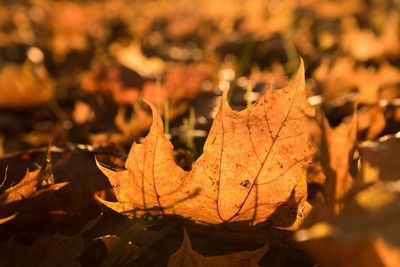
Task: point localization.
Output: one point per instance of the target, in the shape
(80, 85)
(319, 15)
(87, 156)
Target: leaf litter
(74, 73)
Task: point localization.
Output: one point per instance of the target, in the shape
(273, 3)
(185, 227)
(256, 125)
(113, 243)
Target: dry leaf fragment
(365, 234)
(138, 123)
(371, 121)
(28, 187)
(133, 58)
(25, 86)
(55, 250)
(82, 113)
(340, 77)
(252, 167)
(110, 241)
(1, 146)
(7, 219)
(337, 147)
(363, 44)
(328, 9)
(380, 159)
(336, 78)
(24, 189)
(187, 257)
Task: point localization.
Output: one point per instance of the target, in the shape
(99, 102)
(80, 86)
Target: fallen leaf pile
(267, 131)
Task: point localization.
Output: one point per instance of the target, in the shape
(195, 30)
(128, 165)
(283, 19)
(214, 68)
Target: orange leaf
(380, 159)
(337, 147)
(25, 86)
(252, 167)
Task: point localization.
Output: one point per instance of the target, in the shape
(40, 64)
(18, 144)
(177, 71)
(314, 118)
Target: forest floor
(73, 77)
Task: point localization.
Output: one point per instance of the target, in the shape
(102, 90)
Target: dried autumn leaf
(1, 146)
(7, 219)
(333, 9)
(337, 148)
(252, 167)
(365, 234)
(26, 188)
(363, 44)
(133, 58)
(82, 113)
(371, 121)
(181, 82)
(29, 186)
(55, 250)
(110, 241)
(277, 75)
(25, 86)
(22, 190)
(137, 124)
(187, 257)
(337, 78)
(371, 83)
(380, 159)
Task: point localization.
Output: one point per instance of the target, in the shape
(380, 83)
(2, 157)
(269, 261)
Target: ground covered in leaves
(200, 133)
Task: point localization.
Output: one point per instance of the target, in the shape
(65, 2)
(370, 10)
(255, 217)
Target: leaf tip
(157, 123)
(186, 240)
(116, 206)
(300, 76)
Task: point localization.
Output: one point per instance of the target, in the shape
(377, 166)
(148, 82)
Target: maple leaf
(252, 166)
(185, 256)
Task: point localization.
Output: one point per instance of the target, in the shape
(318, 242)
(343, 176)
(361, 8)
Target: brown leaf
(371, 82)
(329, 9)
(187, 257)
(277, 75)
(365, 234)
(371, 120)
(138, 124)
(380, 159)
(362, 44)
(123, 84)
(335, 77)
(82, 113)
(252, 167)
(25, 86)
(110, 241)
(55, 250)
(140, 121)
(29, 186)
(7, 219)
(337, 149)
(65, 210)
(24, 189)
(133, 58)
(338, 78)
(1, 146)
